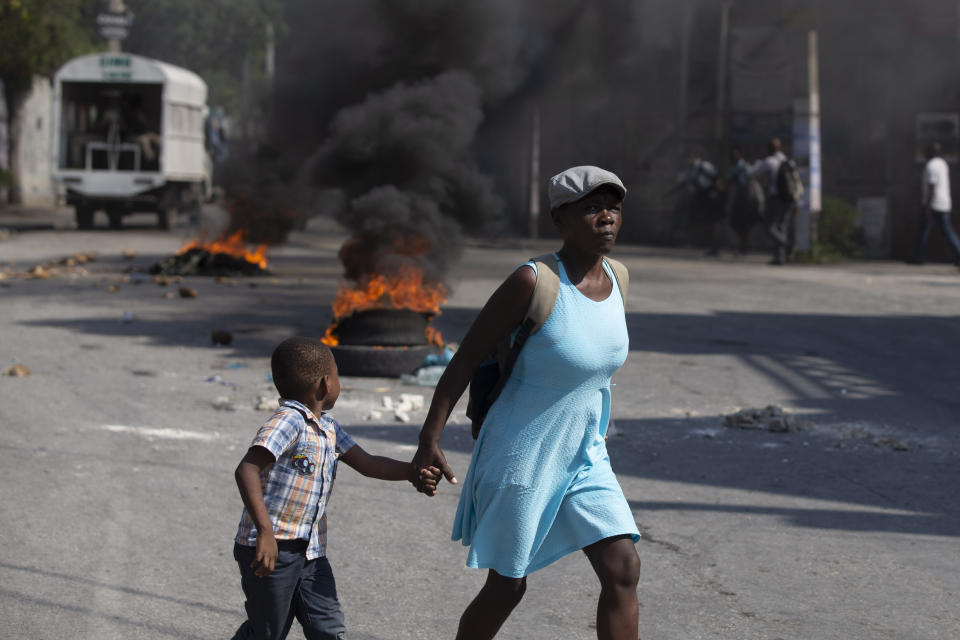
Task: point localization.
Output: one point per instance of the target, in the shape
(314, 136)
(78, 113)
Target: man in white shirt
(935, 199)
(776, 220)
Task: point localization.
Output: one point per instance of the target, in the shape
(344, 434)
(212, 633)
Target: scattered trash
(401, 416)
(424, 376)
(435, 359)
(410, 401)
(17, 371)
(771, 418)
(127, 317)
(892, 443)
(223, 403)
(373, 415)
(269, 378)
(112, 288)
(230, 282)
(161, 280)
(267, 403)
(387, 402)
(220, 381)
(169, 295)
(220, 336)
(187, 292)
(138, 278)
(129, 254)
(237, 365)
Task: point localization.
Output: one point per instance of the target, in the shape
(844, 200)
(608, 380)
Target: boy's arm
(383, 468)
(248, 481)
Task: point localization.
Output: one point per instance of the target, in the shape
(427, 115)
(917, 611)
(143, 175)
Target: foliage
(38, 36)
(211, 38)
(838, 236)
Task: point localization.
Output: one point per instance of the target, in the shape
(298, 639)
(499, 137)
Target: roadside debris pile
(860, 432)
(71, 265)
(408, 403)
(771, 418)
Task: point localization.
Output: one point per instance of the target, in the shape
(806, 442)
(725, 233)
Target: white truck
(129, 137)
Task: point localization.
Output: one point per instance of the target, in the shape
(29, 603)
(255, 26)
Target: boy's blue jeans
(298, 587)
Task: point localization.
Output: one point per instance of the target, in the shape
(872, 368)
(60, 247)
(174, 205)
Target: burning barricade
(381, 325)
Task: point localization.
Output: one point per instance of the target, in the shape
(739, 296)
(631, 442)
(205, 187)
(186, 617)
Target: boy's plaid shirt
(297, 486)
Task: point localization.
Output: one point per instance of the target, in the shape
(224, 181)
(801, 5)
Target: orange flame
(234, 245)
(404, 290)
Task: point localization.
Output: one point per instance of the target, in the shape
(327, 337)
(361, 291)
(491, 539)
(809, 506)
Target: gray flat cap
(577, 182)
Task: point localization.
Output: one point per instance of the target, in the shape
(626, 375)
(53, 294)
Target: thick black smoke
(385, 99)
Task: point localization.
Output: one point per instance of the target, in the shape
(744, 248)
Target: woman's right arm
(502, 313)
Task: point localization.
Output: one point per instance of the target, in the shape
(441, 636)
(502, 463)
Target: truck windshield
(110, 126)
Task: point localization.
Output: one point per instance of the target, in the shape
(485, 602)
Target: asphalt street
(118, 505)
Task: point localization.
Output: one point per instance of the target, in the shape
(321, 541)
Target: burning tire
(379, 362)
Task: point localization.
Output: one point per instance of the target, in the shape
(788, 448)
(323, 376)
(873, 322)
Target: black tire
(84, 216)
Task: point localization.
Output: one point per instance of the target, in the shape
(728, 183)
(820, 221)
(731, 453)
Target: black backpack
(789, 183)
(491, 376)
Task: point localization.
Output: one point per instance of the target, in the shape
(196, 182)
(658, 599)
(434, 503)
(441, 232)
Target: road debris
(221, 337)
(267, 403)
(771, 418)
(17, 371)
(224, 403)
(187, 292)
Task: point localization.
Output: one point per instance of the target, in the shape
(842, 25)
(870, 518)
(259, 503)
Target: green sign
(115, 68)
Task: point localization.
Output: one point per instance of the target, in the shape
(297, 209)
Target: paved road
(118, 503)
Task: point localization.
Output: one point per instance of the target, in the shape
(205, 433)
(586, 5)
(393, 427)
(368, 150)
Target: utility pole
(684, 70)
(116, 7)
(534, 220)
(720, 128)
(806, 149)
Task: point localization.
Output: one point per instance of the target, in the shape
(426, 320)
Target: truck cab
(129, 137)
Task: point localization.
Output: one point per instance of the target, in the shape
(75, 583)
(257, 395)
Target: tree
(214, 38)
(38, 36)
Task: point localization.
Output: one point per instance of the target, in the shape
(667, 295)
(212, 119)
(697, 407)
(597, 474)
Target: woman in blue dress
(540, 483)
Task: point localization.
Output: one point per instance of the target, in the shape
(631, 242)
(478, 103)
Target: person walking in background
(936, 204)
(744, 199)
(776, 209)
(540, 484)
(699, 202)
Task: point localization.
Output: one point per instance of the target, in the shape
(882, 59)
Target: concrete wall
(33, 123)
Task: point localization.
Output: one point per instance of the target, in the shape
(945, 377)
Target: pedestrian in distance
(745, 200)
(935, 204)
(699, 201)
(540, 484)
(779, 205)
(285, 480)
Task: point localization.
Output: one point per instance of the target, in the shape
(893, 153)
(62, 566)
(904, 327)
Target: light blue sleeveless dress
(540, 483)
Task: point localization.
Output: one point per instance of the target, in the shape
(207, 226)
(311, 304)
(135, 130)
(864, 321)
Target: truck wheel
(116, 218)
(165, 217)
(84, 216)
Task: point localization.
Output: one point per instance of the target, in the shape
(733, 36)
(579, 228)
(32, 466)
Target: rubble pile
(69, 266)
(771, 418)
(202, 262)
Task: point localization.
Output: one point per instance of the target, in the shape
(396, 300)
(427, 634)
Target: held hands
(430, 464)
(266, 556)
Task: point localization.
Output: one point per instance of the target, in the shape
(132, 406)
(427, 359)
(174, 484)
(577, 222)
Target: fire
(406, 289)
(234, 245)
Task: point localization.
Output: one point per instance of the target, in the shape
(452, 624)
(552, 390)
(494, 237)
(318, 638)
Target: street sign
(114, 26)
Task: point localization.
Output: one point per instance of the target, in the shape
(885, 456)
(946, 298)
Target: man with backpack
(781, 178)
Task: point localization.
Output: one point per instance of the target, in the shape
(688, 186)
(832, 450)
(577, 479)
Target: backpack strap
(542, 302)
(544, 297)
(621, 275)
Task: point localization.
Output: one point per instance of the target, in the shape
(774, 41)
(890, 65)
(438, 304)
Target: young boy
(285, 480)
